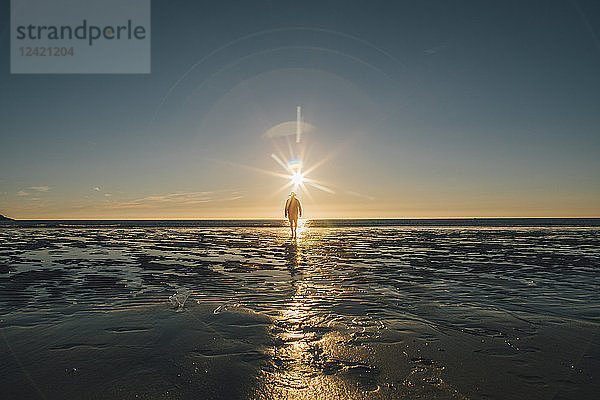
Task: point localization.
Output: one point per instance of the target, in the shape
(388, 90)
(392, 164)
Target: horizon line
(309, 219)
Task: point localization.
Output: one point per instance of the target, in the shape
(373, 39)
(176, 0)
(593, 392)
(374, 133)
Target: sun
(297, 178)
(293, 164)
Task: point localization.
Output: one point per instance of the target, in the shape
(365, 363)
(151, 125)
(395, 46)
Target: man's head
(292, 194)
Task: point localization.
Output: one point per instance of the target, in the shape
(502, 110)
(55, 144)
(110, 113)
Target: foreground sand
(434, 313)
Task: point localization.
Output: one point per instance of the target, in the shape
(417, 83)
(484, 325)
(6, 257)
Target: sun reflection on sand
(304, 342)
(302, 228)
(293, 373)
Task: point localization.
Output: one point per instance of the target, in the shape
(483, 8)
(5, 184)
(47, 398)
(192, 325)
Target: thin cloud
(40, 188)
(174, 200)
(586, 23)
(434, 50)
(171, 199)
(23, 193)
(362, 196)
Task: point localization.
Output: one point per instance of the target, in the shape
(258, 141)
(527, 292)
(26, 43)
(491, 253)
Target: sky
(416, 110)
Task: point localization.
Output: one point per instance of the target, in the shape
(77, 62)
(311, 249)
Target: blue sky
(420, 109)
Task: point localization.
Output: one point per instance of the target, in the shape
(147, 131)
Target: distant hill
(3, 218)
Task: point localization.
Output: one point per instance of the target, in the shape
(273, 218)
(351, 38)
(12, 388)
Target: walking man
(293, 210)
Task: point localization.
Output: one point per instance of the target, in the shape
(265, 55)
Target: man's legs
(293, 225)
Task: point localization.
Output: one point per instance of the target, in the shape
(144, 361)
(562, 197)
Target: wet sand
(345, 312)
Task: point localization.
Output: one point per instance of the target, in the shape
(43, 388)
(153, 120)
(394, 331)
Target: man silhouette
(293, 209)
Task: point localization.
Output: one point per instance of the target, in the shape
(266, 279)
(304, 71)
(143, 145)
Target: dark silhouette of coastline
(3, 218)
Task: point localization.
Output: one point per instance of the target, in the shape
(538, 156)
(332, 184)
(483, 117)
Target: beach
(347, 311)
